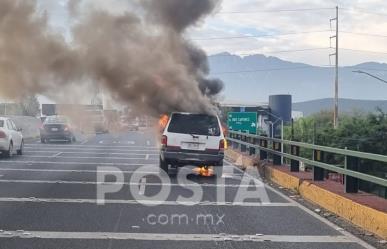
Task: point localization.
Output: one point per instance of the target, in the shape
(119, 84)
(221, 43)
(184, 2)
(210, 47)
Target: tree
(30, 106)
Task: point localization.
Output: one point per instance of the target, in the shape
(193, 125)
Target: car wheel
(43, 140)
(73, 139)
(8, 153)
(20, 151)
(163, 166)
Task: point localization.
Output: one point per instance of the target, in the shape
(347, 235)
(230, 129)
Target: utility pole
(336, 109)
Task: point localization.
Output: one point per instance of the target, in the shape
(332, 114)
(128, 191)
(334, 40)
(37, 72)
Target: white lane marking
(87, 146)
(310, 212)
(145, 202)
(91, 152)
(81, 163)
(132, 142)
(101, 142)
(190, 185)
(147, 157)
(91, 157)
(142, 186)
(84, 142)
(174, 237)
(148, 143)
(86, 149)
(155, 172)
(56, 155)
(80, 171)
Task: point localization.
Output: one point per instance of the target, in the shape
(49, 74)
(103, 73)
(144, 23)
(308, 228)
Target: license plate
(54, 129)
(193, 146)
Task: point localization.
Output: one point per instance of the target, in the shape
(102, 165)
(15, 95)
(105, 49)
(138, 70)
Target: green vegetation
(359, 131)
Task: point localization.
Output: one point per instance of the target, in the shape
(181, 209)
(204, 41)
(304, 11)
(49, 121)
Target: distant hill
(255, 77)
(346, 106)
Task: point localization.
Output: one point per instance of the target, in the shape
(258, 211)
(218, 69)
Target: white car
(192, 139)
(11, 139)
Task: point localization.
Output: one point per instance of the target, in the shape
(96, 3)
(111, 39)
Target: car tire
(8, 153)
(20, 150)
(163, 166)
(73, 139)
(43, 140)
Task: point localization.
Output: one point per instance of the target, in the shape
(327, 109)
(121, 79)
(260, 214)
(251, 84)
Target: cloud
(351, 19)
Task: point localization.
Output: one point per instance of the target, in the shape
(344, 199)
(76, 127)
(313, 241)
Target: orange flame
(163, 121)
(204, 171)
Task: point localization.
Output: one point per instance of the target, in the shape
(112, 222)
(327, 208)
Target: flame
(204, 171)
(163, 121)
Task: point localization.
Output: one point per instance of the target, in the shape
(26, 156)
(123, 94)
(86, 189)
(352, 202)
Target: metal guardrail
(351, 163)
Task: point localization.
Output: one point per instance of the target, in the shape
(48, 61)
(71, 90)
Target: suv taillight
(2, 134)
(222, 144)
(164, 140)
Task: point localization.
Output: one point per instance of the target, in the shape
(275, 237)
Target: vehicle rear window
(1, 123)
(197, 124)
(56, 120)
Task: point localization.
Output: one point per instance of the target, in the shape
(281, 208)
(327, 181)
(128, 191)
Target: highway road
(104, 192)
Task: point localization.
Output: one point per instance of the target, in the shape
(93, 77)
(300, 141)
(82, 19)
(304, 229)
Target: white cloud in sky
(353, 19)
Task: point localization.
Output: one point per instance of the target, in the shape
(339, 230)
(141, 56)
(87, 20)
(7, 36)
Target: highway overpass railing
(346, 162)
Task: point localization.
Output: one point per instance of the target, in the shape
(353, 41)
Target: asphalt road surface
(106, 192)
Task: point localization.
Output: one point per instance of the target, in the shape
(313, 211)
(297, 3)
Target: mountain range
(253, 78)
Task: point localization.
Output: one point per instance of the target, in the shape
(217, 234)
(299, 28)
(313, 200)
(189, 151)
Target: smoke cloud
(140, 56)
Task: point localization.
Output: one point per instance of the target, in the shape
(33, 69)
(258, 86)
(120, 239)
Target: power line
(364, 51)
(365, 11)
(259, 36)
(364, 34)
(273, 11)
(268, 70)
(271, 52)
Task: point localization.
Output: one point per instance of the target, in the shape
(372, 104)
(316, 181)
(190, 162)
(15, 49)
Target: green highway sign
(242, 121)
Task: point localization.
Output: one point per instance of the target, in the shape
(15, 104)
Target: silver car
(11, 138)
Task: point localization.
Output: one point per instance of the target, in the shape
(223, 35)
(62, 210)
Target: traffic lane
(59, 190)
(85, 217)
(117, 244)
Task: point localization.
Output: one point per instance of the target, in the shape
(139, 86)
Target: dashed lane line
(79, 163)
(91, 152)
(142, 186)
(30, 149)
(90, 157)
(145, 202)
(174, 237)
(188, 185)
(56, 155)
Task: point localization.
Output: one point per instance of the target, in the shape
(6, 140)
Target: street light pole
(282, 131)
(371, 75)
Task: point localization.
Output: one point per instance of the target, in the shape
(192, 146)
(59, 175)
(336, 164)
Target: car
(56, 128)
(192, 139)
(11, 138)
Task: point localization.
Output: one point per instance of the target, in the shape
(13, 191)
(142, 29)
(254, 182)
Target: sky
(282, 26)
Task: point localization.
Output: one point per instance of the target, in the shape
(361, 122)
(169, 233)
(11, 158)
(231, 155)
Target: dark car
(56, 128)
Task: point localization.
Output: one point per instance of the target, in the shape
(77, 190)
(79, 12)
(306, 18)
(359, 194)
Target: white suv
(192, 139)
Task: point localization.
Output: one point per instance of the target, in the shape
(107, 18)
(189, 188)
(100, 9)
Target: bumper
(181, 158)
(4, 145)
(57, 135)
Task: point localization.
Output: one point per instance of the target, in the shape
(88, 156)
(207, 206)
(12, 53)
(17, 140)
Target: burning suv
(192, 139)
